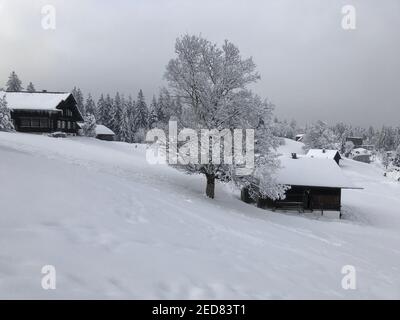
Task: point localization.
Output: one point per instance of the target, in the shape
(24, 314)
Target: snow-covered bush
(89, 126)
(348, 147)
(6, 123)
(396, 160)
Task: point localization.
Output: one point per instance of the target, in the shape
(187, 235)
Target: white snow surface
(116, 227)
(34, 101)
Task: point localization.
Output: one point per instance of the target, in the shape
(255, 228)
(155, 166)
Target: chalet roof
(34, 100)
(321, 153)
(313, 172)
(101, 129)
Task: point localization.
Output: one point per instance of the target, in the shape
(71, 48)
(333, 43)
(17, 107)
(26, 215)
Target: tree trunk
(210, 185)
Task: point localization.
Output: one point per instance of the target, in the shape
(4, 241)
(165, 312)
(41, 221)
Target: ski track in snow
(117, 227)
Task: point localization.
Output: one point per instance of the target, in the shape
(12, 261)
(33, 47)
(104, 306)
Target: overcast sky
(311, 68)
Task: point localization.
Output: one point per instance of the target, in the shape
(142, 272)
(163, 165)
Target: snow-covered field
(116, 227)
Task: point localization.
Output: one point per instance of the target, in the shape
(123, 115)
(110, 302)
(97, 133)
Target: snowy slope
(116, 227)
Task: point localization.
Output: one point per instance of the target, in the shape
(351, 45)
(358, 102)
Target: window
(25, 122)
(58, 124)
(44, 123)
(63, 124)
(69, 125)
(35, 123)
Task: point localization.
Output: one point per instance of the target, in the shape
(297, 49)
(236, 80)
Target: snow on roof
(313, 172)
(34, 100)
(101, 129)
(321, 153)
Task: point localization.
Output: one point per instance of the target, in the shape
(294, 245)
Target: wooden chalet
(315, 185)
(43, 112)
(357, 141)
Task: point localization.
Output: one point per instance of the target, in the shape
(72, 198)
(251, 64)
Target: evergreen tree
(141, 113)
(109, 105)
(130, 109)
(116, 115)
(30, 87)
(153, 119)
(125, 132)
(77, 93)
(102, 111)
(13, 83)
(90, 106)
(6, 123)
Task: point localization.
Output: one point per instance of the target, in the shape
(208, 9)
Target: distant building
(299, 137)
(324, 154)
(357, 141)
(315, 185)
(104, 133)
(361, 155)
(40, 112)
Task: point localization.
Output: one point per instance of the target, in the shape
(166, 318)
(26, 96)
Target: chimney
(294, 155)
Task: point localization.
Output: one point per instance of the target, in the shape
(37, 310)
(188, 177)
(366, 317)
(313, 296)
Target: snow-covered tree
(164, 103)
(89, 126)
(348, 147)
(141, 113)
(385, 159)
(116, 115)
(125, 134)
(396, 160)
(13, 83)
(130, 108)
(6, 123)
(90, 106)
(211, 83)
(30, 87)
(77, 93)
(153, 119)
(102, 111)
(319, 136)
(386, 139)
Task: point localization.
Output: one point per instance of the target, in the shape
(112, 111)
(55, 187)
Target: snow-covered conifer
(30, 87)
(90, 106)
(6, 123)
(77, 93)
(14, 83)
